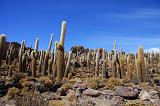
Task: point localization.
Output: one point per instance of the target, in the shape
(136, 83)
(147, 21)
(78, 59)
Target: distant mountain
(155, 50)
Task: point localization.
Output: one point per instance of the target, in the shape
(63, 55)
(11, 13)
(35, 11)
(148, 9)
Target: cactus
(34, 63)
(20, 57)
(40, 62)
(97, 63)
(45, 65)
(2, 44)
(81, 62)
(24, 63)
(36, 45)
(88, 60)
(140, 65)
(50, 43)
(60, 57)
(68, 64)
(114, 47)
(54, 66)
(104, 73)
(114, 70)
(10, 71)
(129, 70)
(122, 69)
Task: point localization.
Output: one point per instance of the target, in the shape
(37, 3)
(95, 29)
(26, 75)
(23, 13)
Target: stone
(126, 92)
(81, 86)
(149, 95)
(144, 95)
(156, 102)
(91, 92)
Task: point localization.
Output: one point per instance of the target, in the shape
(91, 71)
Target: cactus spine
(60, 57)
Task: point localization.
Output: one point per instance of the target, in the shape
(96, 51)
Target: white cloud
(155, 50)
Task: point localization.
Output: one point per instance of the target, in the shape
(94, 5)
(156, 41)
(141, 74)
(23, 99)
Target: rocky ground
(82, 89)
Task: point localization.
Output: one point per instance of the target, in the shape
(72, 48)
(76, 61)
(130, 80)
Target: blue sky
(92, 23)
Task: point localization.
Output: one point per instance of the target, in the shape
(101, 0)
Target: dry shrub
(56, 103)
(112, 82)
(12, 92)
(66, 86)
(46, 80)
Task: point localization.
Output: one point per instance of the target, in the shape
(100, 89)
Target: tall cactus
(60, 57)
(34, 63)
(50, 43)
(141, 72)
(40, 61)
(46, 59)
(68, 64)
(88, 60)
(2, 44)
(122, 66)
(114, 69)
(104, 72)
(97, 63)
(54, 66)
(20, 57)
(36, 45)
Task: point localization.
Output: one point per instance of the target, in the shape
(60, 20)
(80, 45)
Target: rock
(51, 96)
(151, 95)
(3, 89)
(91, 92)
(61, 92)
(40, 87)
(106, 92)
(15, 83)
(156, 102)
(126, 92)
(54, 87)
(81, 86)
(144, 95)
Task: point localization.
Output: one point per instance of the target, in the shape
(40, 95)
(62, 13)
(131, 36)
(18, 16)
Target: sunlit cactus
(2, 44)
(24, 62)
(122, 67)
(68, 64)
(45, 65)
(21, 51)
(140, 65)
(88, 60)
(54, 66)
(104, 73)
(60, 57)
(40, 61)
(50, 43)
(36, 45)
(97, 63)
(129, 71)
(34, 63)
(114, 69)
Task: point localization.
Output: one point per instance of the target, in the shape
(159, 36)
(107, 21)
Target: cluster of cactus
(59, 64)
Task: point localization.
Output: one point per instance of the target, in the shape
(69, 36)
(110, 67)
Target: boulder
(81, 86)
(126, 92)
(91, 92)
